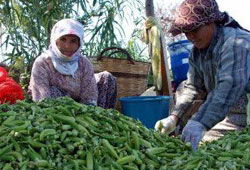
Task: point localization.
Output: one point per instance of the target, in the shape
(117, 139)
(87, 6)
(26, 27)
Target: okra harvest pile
(231, 152)
(63, 134)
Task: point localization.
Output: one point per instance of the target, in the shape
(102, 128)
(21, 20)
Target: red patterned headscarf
(195, 13)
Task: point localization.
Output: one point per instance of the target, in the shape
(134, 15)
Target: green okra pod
(110, 148)
(126, 159)
(89, 161)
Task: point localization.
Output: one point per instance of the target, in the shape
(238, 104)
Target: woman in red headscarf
(219, 66)
(10, 91)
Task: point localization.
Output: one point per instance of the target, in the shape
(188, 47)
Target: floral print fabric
(86, 88)
(44, 77)
(107, 89)
(193, 14)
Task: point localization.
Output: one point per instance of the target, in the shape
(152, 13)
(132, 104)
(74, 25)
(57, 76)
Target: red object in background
(10, 91)
(3, 74)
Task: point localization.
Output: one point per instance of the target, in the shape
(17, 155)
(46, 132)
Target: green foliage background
(27, 25)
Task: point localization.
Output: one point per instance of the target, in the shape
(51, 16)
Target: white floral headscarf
(63, 64)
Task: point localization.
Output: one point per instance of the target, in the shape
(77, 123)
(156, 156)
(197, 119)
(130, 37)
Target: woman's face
(68, 44)
(202, 36)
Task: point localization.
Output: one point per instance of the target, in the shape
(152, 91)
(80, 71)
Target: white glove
(167, 125)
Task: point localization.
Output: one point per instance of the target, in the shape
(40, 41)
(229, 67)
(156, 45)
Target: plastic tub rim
(144, 98)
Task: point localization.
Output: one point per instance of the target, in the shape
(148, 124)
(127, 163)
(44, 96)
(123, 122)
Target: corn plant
(105, 30)
(27, 25)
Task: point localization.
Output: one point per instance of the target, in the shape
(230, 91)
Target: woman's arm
(190, 91)
(39, 80)
(89, 92)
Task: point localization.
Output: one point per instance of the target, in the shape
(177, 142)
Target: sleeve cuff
(93, 103)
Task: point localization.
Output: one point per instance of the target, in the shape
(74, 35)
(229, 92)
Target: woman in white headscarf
(63, 71)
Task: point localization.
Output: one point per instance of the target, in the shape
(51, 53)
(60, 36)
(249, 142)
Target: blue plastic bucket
(148, 109)
(179, 54)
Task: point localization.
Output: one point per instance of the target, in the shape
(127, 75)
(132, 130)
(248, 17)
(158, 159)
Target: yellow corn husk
(152, 34)
(145, 37)
(156, 54)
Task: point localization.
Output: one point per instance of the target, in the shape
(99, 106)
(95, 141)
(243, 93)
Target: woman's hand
(193, 133)
(167, 125)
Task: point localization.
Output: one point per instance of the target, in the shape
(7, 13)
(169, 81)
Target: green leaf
(94, 2)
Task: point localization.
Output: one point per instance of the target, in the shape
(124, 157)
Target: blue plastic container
(179, 54)
(148, 109)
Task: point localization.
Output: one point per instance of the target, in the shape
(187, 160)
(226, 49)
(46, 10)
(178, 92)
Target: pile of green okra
(63, 134)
